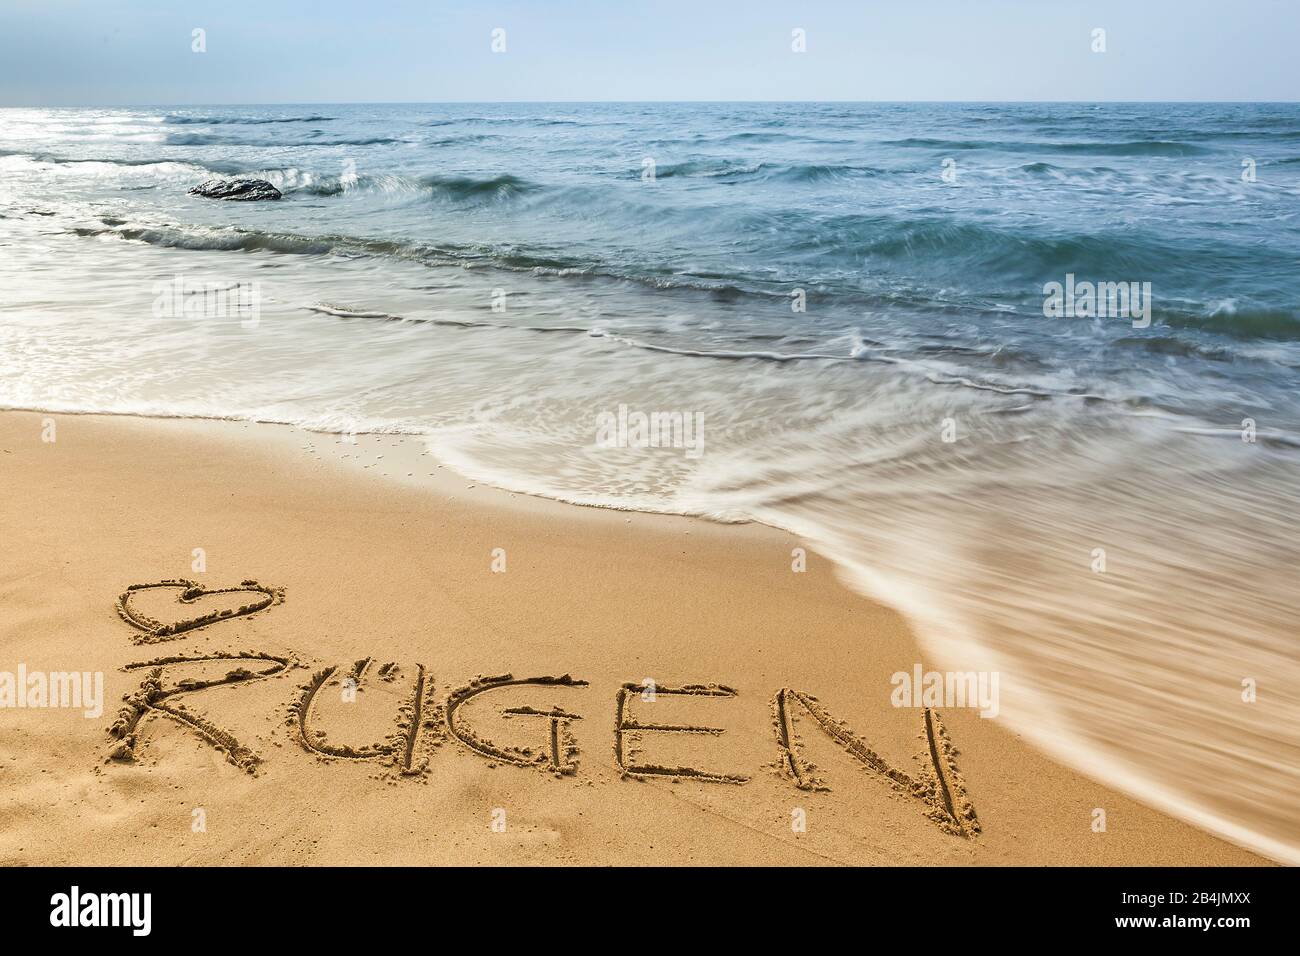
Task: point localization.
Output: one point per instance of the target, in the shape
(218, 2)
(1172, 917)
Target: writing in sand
(425, 720)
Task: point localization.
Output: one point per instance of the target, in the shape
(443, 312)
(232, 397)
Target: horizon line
(580, 102)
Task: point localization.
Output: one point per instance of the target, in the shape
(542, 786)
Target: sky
(140, 52)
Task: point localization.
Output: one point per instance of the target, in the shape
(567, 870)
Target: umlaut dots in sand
(400, 750)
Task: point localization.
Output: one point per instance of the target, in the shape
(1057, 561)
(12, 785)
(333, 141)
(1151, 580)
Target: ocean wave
(704, 168)
(210, 139)
(508, 120)
(455, 189)
(460, 188)
(1134, 148)
(291, 180)
(942, 374)
(794, 173)
(352, 312)
(1281, 324)
(1012, 251)
(462, 140)
(172, 120)
(59, 160)
(770, 137)
(1176, 346)
(1093, 255)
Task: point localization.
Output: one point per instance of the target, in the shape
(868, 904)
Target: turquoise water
(493, 278)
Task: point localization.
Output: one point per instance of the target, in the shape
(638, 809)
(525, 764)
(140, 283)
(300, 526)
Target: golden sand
(314, 654)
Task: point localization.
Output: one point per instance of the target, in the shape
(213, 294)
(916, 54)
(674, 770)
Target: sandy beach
(351, 704)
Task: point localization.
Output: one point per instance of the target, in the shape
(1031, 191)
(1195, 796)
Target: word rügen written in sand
(421, 724)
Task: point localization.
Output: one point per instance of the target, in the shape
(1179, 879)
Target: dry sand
(372, 572)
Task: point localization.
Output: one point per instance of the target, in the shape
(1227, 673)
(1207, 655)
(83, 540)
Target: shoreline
(401, 570)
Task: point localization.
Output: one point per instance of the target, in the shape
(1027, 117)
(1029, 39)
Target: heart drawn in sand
(155, 630)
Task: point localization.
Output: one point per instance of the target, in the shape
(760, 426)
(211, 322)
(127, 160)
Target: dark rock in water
(247, 190)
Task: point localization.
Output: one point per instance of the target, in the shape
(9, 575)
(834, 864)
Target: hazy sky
(58, 52)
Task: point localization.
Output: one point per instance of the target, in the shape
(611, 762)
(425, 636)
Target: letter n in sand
(939, 787)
